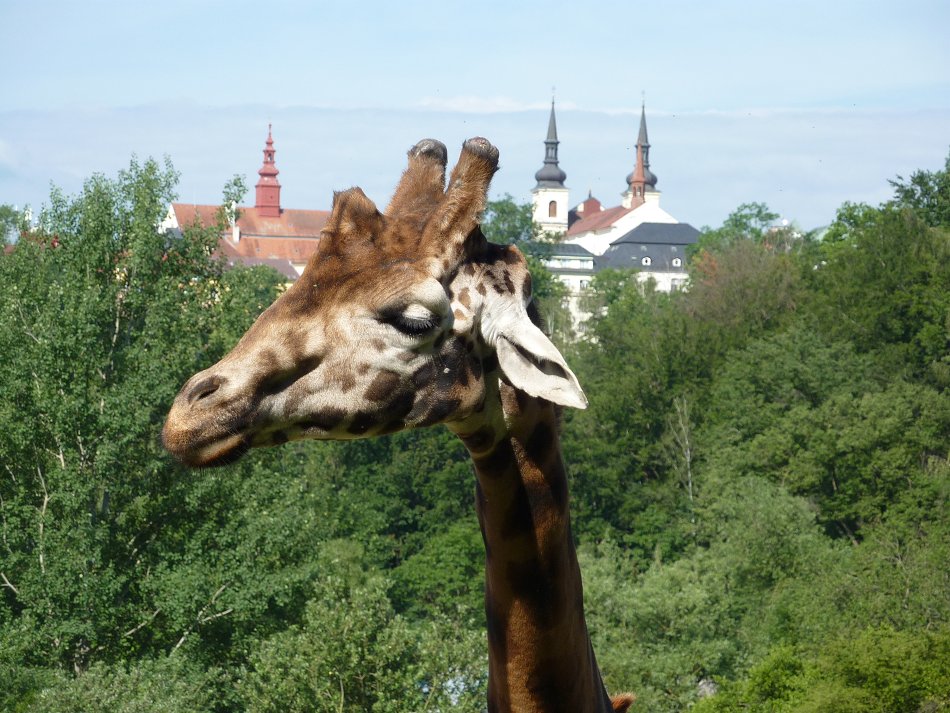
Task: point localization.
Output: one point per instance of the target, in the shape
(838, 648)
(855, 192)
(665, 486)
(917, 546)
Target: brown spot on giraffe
(382, 387)
(406, 319)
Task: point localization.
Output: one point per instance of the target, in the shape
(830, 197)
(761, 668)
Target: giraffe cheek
(384, 384)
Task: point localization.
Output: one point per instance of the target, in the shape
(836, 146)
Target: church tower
(549, 197)
(267, 200)
(641, 184)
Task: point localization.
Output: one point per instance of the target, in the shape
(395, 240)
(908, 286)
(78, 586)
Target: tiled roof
(185, 213)
(291, 223)
(293, 236)
(598, 221)
(296, 249)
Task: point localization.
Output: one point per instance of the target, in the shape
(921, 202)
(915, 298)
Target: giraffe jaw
(191, 445)
(223, 452)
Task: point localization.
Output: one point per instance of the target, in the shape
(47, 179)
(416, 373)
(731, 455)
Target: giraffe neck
(540, 658)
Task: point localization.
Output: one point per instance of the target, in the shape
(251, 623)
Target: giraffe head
(401, 320)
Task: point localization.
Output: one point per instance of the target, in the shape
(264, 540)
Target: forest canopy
(759, 486)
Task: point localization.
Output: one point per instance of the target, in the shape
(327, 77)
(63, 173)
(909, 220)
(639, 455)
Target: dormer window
(677, 262)
(646, 262)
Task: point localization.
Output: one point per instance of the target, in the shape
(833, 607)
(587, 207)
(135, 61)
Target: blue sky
(801, 105)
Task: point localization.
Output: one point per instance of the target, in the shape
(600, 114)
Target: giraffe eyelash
(411, 326)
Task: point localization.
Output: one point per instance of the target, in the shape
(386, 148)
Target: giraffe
(408, 319)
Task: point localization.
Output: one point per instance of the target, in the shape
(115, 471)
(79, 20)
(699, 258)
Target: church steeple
(267, 200)
(549, 196)
(642, 180)
(550, 175)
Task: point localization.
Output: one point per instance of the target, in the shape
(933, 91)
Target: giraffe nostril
(203, 389)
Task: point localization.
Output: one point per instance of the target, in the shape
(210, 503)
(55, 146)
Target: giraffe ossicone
(400, 320)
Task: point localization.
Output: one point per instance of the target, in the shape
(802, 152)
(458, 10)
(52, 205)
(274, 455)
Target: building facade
(637, 234)
(262, 234)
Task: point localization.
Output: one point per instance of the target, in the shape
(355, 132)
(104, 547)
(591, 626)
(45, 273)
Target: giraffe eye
(411, 323)
(414, 326)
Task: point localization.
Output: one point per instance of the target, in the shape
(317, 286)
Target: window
(646, 262)
(677, 262)
(552, 209)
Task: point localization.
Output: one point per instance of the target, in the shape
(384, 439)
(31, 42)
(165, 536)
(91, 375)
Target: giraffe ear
(532, 363)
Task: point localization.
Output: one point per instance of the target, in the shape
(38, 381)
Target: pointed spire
(642, 138)
(550, 175)
(642, 179)
(552, 126)
(267, 199)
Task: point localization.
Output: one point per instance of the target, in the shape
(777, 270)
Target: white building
(637, 234)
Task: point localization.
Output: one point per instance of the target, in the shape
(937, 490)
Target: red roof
(291, 223)
(294, 235)
(597, 221)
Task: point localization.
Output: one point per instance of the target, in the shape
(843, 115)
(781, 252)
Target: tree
(927, 193)
(102, 316)
(748, 222)
(506, 221)
(352, 652)
(12, 223)
(882, 284)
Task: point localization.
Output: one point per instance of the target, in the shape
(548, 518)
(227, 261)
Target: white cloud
(471, 104)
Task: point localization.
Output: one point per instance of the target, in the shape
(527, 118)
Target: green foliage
(740, 291)
(927, 193)
(352, 652)
(233, 194)
(750, 222)
(103, 317)
(760, 485)
(506, 221)
(617, 460)
(12, 223)
(444, 576)
(889, 252)
(812, 416)
(879, 670)
(166, 685)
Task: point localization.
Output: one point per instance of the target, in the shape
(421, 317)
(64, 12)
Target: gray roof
(662, 258)
(569, 250)
(660, 234)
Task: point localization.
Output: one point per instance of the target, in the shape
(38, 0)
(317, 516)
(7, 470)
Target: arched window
(646, 262)
(552, 209)
(677, 262)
